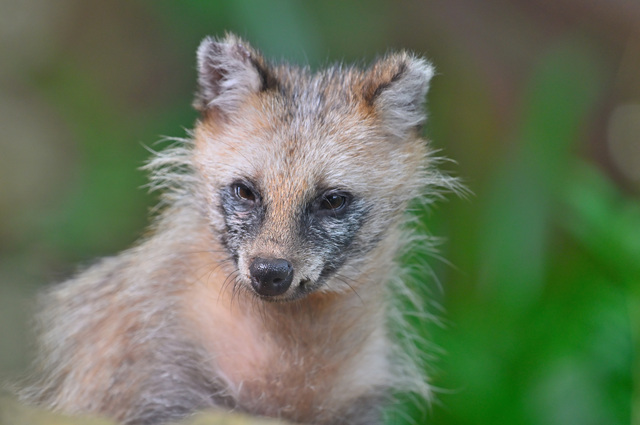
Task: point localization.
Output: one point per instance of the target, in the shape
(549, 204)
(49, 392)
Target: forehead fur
(317, 129)
(342, 127)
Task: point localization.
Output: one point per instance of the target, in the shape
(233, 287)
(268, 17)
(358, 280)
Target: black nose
(270, 277)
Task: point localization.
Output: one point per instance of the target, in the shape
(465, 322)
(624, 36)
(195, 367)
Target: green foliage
(546, 337)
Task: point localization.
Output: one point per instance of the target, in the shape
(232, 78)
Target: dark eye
(241, 191)
(333, 202)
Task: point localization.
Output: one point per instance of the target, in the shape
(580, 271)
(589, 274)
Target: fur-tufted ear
(396, 87)
(228, 71)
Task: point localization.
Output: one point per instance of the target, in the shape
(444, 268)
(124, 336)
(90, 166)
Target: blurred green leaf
(516, 226)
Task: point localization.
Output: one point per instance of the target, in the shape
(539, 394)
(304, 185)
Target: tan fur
(173, 324)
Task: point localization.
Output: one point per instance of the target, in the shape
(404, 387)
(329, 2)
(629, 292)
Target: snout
(271, 276)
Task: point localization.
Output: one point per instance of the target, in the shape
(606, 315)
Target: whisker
(345, 280)
(230, 279)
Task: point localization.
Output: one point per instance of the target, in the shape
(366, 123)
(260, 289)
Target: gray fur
(168, 371)
(122, 339)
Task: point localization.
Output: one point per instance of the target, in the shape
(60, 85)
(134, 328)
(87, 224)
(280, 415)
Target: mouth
(304, 288)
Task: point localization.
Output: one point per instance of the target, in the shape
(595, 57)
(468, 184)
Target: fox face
(302, 175)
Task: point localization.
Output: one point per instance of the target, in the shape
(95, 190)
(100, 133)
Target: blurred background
(538, 102)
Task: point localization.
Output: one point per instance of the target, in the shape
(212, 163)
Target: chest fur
(298, 362)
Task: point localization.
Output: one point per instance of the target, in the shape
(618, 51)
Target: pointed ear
(229, 70)
(396, 87)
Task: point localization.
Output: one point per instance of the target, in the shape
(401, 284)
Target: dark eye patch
(243, 213)
(330, 228)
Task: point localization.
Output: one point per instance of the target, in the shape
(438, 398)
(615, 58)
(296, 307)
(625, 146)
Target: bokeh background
(538, 102)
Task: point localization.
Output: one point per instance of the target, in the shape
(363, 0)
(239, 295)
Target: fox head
(302, 175)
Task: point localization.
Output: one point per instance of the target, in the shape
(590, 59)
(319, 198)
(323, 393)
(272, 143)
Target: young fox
(265, 284)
